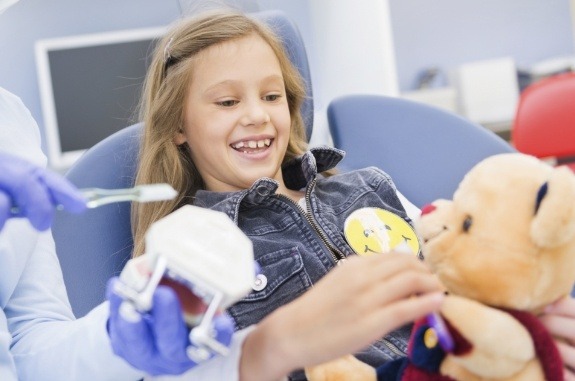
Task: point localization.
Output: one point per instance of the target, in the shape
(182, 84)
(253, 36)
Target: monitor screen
(90, 87)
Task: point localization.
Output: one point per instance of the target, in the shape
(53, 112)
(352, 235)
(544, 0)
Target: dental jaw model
(205, 258)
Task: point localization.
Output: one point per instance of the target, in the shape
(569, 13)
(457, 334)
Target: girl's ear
(180, 137)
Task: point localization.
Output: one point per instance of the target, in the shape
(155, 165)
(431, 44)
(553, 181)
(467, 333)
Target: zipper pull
(341, 261)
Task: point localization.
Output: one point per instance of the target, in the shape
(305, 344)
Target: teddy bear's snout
(426, 209)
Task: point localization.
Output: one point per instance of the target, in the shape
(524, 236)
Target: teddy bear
(504, 248)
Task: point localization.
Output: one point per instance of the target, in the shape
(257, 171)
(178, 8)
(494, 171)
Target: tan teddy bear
(504, 248)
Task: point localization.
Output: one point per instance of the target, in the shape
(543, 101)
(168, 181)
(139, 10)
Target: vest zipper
(392, 347)
(338, 255)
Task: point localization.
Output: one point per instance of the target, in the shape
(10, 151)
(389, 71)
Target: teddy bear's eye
(467, 223)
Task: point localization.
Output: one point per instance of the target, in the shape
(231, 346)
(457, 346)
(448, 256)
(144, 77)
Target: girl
(223, 127)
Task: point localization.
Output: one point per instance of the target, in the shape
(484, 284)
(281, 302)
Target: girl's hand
(559, 318)
(351, 307)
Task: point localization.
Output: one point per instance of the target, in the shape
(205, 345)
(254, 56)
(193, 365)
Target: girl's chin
(249, 178)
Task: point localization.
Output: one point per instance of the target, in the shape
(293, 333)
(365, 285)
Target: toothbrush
(444, 338)
(142, 193)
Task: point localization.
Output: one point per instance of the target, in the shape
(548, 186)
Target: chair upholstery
(293, 43)
(94, 246)
(424, 149)
(544, 124)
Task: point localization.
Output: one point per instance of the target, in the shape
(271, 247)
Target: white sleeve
(19, 133)
(219, 368)
(39, 336)
(413, 211)
(48, 343)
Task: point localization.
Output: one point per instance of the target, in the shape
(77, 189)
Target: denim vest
(295, 249)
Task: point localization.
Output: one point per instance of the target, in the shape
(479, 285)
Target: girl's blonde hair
(164, 97)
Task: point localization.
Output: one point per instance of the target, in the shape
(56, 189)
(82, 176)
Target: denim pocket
(285, 279)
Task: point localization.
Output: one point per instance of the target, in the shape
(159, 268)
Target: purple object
(443, 335)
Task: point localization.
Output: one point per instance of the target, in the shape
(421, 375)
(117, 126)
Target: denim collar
(297, 174)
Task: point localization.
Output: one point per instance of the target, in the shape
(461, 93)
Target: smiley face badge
(375, 230)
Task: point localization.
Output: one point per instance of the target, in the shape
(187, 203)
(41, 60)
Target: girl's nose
(428, 209)
(255, 114)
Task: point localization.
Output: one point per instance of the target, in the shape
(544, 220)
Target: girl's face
(237, 120)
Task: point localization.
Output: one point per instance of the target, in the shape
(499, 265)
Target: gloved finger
(224, 326)
(168, 325)
(5, 206)
(34, 202)
(64, 193)
(129, 339)
(115, 301)
(113, 298)
(136, 340)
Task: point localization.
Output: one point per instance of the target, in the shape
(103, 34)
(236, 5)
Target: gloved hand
(156, 342)
(34, 192)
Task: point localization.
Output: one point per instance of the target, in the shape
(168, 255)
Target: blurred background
(470, 57)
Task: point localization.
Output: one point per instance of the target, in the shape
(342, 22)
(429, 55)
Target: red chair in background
(544, 124)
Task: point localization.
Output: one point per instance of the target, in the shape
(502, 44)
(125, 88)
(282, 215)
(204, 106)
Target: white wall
(353, 51)
(448, 33)
(354, 47)
(572, 8)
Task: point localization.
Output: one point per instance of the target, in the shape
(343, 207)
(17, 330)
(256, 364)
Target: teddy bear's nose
(428, 209)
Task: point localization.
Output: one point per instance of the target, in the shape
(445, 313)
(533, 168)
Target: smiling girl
(221, 111)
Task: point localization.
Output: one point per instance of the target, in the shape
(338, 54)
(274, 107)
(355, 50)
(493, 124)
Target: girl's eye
(227, 103)
(272, 97)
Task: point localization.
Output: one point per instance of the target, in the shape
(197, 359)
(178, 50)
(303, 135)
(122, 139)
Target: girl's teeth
(253, 144)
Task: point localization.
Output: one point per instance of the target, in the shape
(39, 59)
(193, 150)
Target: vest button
(260, 282)
(263, 191)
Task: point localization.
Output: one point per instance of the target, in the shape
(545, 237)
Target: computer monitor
(90, 86)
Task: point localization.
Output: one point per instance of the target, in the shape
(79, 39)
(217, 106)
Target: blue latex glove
(35, 192)
(156, 342)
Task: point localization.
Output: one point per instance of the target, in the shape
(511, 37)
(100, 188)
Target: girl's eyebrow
(227, 82)
(274, 77)
(232, 82)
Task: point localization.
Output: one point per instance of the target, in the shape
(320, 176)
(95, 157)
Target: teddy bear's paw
(532, 371)
(346, 368)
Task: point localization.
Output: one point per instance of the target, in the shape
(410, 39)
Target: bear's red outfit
(423, 361)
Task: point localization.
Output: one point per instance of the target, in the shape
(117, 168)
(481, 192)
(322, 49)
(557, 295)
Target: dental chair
(424, 149)
(94, 246)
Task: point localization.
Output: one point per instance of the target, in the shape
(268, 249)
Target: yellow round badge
(375, 230)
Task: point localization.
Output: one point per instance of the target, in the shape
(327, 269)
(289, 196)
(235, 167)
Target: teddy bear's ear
(554, 221)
